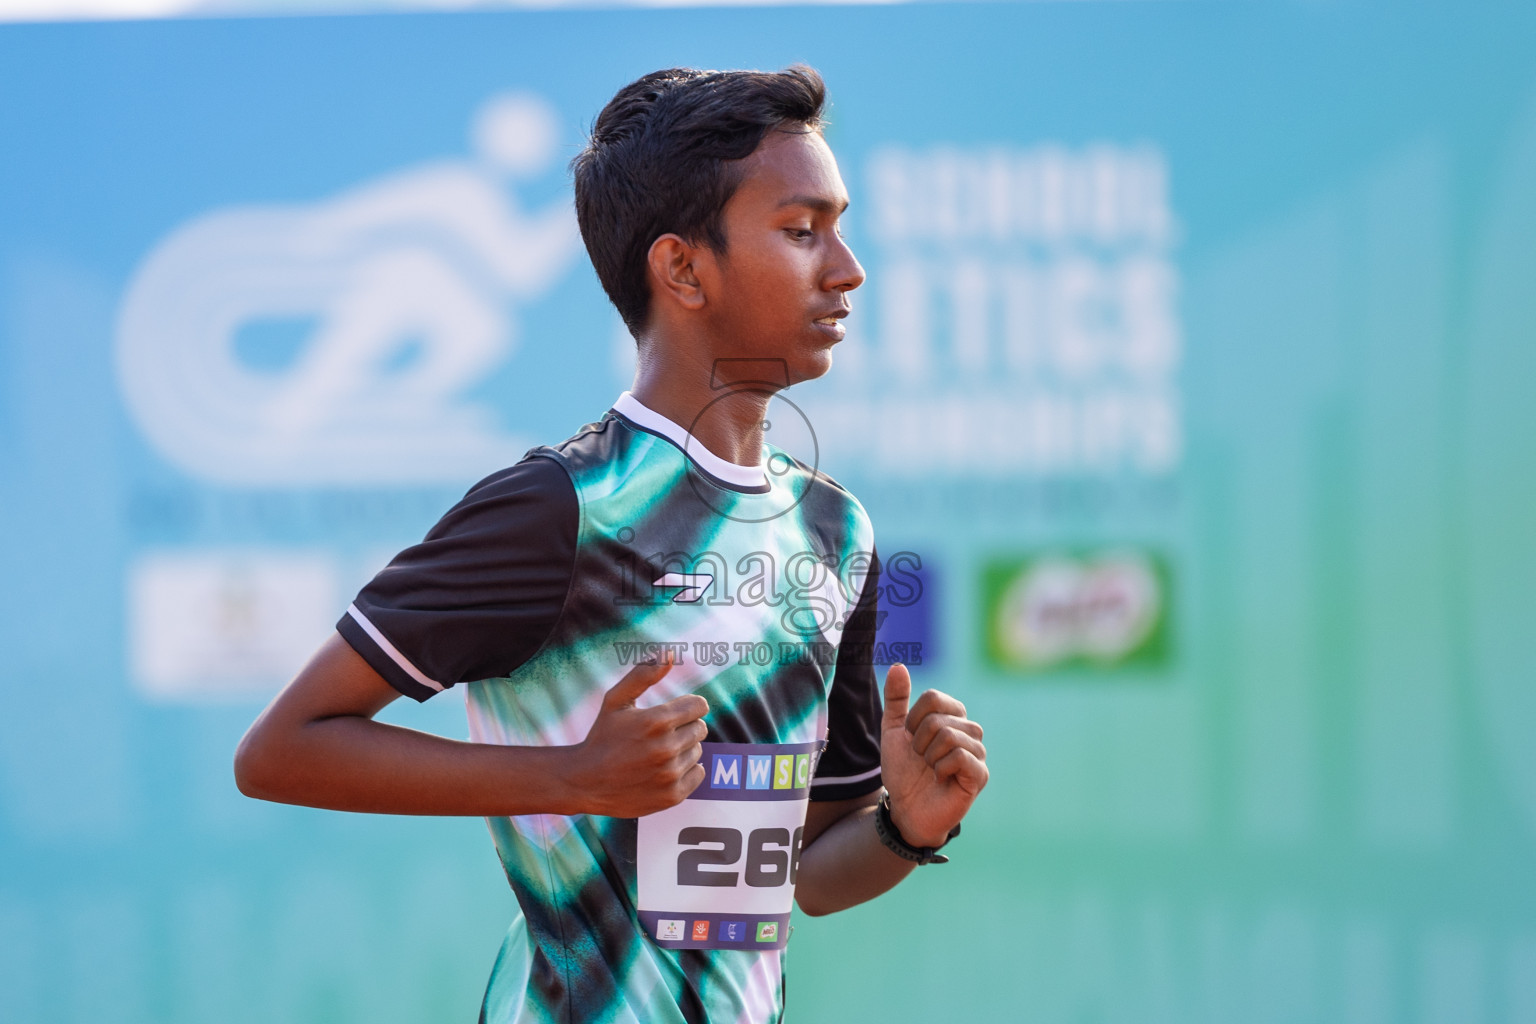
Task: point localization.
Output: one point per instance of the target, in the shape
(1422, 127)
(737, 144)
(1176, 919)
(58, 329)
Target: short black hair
(661, 159)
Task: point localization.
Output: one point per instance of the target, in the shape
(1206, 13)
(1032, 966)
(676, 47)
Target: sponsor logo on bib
(759, 768)
(727, 773)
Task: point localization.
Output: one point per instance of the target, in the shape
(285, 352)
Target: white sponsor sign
(216, 624)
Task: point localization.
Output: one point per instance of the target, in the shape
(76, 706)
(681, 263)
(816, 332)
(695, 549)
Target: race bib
(718, 870)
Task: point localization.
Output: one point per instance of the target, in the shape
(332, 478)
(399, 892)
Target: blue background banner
(1194, 372)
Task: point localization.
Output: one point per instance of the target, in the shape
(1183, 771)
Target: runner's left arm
(928, 754)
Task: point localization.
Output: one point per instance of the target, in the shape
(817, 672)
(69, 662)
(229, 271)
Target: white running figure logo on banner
(424, 264)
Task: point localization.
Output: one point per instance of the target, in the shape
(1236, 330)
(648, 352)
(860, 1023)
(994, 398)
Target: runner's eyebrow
(821, 204)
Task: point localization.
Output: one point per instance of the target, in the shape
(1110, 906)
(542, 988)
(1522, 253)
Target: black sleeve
(850, 767)
(481, 593)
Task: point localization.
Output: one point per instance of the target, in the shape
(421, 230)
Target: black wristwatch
(890, 835)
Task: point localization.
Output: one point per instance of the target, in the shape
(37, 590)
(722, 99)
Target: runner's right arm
(319, 745)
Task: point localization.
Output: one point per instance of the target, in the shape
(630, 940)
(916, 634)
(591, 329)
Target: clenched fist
(931, 758)
(636, 761)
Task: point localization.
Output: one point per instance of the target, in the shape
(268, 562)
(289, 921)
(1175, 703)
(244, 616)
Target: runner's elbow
(254, 765)
(812, 908)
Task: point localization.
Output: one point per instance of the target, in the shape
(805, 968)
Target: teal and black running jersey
(540, 590)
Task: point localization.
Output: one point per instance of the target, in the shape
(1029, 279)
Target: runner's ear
(674, 276)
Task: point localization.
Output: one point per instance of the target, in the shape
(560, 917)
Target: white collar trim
(742, 476)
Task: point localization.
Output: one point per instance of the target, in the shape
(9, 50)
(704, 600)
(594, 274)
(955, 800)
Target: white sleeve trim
(838, 780)
(389, 649)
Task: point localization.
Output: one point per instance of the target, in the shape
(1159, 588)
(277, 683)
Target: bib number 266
(773, 857)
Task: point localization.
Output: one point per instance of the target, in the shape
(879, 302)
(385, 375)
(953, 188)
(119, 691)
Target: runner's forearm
(318, 745)
(350, 763)
(845, 865)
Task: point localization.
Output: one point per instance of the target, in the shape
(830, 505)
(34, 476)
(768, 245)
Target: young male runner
(656, 819)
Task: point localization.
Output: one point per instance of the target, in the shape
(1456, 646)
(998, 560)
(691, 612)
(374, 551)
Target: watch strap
(891, 837)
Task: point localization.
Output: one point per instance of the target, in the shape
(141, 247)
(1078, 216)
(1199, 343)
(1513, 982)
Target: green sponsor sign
(1096, 610)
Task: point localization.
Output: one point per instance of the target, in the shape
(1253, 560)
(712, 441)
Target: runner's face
(784, 280)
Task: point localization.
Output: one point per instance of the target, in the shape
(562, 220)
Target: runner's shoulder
(596, 444)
